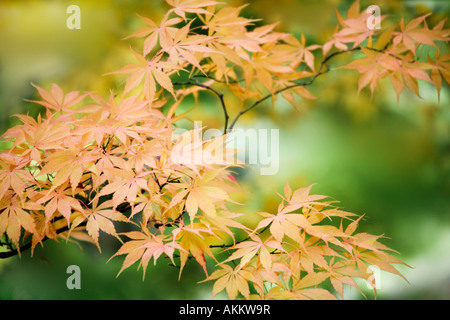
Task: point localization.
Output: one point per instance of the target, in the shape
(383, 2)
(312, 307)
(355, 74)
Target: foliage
(86, 166)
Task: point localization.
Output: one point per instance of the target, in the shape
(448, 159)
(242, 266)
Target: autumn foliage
(92, 161)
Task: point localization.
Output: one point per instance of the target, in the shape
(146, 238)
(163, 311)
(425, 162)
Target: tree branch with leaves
(92, 162)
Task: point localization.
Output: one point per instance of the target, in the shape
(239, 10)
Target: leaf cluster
(92, 162)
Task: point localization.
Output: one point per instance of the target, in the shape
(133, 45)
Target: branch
(303, 84)
(218, 94)
(240, 241)
(12, 253)
(217, 80)
(123, 207)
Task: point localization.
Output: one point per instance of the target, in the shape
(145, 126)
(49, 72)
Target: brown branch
(12, 253)
(303, 84)
(224, 246)
(7, 254)
(218, 94)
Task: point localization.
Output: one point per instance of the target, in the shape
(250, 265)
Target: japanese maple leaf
(373, 68)
(192, 239)
(191, 151)
(299, 50)
(306, 287)
(181, 7)
(300, 198)
(234, 281)
(438, 33)
(411, 35)
(342, 272)
(266, 34)
(156, 246)
(13, 217)
(267, 65)
(60, 200)
(99, 217)
(36, 135)
(142, 154)
(182, 47)
(225, 20)
(302, 288)
(282, 224)
(69, 164)
(380, 259)
(353, 14)
(355, 30)
(126, 184)
(57, 101)
(248, 249)
(441, 69)
(402, 69)
(153, 32)
(94, 127)
(203, 195)
(413, 71)
(128, 110)
(339, 43)
(144, 246)
(223, 221)
(151, 72)
(13, 175)
(145, 204)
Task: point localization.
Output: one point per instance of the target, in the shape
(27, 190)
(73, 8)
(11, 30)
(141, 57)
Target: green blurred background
(386, 159)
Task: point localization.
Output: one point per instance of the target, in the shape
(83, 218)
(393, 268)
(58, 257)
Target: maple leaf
(126, 184)
(247, 250)
(298, 49)
(284, 222)
(153, 32)
(234, 281)
(156, 248)
(300, 198)
(223, 220)
(191, 151)
(84, 169)
(144, 154)
(13, 217)
(143, 246)
(151, 72)
(411, 35)
(382, 260)
(127, 110)
(226, 21)
(203, 197)
(355, 29)
(351, 25)
(13, 175)
(283, 225)
(60, 200)
(69, 164)
(182, 47)
(192, 240)
(302, 288)
(441, 69)
(343, 271)
(266, 65)
(99, 217)
(181, 7)
(57, 101)
(37, 135)
(373, 67)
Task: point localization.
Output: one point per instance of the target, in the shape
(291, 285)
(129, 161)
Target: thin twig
(303, 84)
(218, 94)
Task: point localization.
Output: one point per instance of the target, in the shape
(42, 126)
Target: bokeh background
(386, 159)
